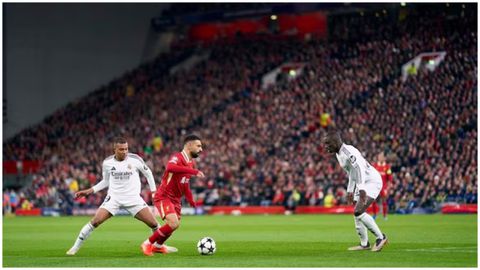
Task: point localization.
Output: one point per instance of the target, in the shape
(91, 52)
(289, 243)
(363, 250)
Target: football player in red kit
(386, 172)
(167, 199)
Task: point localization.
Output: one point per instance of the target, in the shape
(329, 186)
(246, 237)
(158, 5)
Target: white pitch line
(472, 249)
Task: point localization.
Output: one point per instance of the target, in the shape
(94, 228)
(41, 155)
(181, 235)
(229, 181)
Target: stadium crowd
(262, 146)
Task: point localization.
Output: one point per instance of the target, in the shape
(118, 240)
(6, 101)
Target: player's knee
(174, 224)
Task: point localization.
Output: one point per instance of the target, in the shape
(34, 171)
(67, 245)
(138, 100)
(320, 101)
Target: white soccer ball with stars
(206, 246)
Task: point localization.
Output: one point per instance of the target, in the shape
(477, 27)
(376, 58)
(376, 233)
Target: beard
(195, 154)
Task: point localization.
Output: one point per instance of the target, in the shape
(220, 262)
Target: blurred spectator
(7, 207)
(262, 145)
(329, 200)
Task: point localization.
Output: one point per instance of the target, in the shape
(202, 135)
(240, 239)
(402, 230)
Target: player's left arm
(189, 196)
(145, 170)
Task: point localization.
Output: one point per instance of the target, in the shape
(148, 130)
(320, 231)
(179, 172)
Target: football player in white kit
(121, 175)
(365, 182)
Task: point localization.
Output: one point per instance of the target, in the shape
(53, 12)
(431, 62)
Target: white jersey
(122, 177)
(359, 171)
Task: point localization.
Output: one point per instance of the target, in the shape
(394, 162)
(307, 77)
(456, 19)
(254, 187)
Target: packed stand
(153, 102)
(276, 133)
(263, 146)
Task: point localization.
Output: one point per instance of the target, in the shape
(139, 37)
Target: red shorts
(166, 207)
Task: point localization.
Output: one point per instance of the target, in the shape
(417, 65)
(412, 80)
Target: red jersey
(175, 179)
(386, 173)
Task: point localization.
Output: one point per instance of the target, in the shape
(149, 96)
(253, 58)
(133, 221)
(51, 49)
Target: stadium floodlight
(273, 17)
(403, 4)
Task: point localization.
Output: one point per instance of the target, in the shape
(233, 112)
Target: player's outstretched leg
(160, 236)
(370, 223)
(363, 234)
(146, 216)
(85, 232)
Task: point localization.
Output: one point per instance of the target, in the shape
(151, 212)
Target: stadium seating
(262, 146)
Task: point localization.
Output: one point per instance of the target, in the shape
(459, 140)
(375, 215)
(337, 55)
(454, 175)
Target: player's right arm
(360, 182)
(99, 186)
(173, 167)
(356, 176)
(350, 189)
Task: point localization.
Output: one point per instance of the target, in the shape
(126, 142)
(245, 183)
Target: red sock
(385, 208)
(374, 208)
(161, 235)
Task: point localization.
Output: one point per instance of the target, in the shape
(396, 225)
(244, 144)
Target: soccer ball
(206, 246)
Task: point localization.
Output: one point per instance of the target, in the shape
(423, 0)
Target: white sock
(83, 235)
(369, 222)
(362, 231)
(155, 244)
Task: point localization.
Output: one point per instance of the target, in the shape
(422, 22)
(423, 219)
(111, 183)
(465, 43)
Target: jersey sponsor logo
(121, 175)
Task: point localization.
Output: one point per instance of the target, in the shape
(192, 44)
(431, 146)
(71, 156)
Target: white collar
(185, 156)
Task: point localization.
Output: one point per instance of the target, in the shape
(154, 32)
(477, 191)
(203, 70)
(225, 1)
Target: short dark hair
(333, 135)
(190, 137)
(119, 140)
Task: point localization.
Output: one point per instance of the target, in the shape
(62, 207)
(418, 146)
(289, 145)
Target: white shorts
(132, 205)
(373, 186)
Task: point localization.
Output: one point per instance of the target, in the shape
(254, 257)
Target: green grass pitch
(245, 241)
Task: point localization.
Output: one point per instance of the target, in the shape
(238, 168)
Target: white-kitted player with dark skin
(121, 175)
(365, 182)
